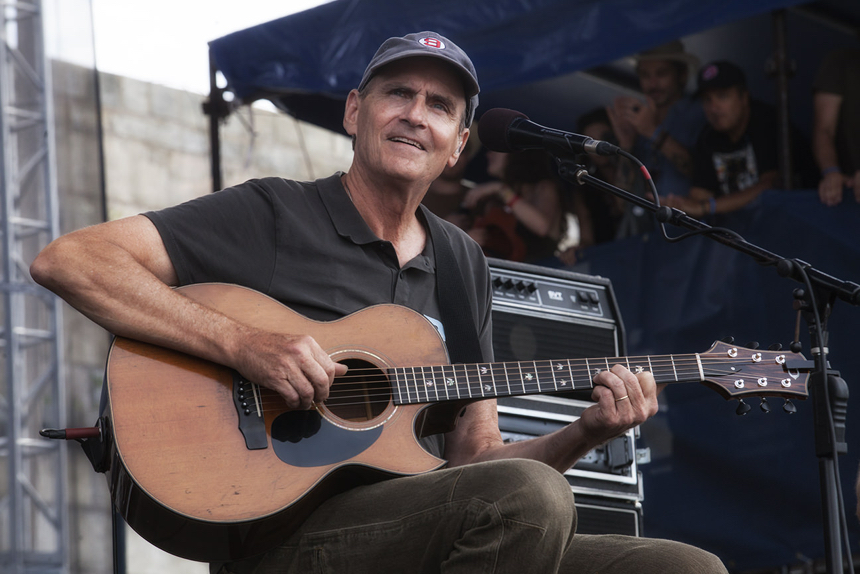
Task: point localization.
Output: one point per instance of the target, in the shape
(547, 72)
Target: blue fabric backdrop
(744, 487)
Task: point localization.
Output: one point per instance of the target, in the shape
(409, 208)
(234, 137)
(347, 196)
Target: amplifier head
(544, 313)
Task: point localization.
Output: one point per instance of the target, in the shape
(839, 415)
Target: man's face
(726, 109)
(407, 123)
(661, 80)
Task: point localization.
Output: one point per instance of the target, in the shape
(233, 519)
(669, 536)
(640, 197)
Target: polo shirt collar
(349, 223)
(345, 217)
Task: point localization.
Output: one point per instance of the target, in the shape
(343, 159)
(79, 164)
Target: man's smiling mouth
(407, 141)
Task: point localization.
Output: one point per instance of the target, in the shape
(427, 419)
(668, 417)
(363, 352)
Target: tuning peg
(789, 407)
(743, 408)
(752, 345)
(796, 346)
(775, 347)
(728, 340)
(765, 407)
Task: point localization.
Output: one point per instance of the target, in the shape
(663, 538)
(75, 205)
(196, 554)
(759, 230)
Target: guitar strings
(378, 390)
(502, 370)
(544, 365)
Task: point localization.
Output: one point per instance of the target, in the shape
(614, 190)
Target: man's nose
(416, 111)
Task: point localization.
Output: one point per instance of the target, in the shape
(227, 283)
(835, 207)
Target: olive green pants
(509, 516)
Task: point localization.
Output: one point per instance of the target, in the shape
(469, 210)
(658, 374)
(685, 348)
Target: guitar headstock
(737, 372)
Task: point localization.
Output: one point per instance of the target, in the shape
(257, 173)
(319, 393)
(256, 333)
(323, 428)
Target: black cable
(651, 184)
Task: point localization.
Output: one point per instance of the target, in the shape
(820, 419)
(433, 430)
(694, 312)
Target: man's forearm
(560, 449)
(128, 295)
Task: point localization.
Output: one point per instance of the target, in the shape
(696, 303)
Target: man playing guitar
(331, 247)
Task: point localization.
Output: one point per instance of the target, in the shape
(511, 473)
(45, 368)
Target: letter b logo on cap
(432, 43)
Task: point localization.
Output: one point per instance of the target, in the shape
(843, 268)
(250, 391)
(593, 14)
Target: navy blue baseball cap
(428, 44)
(717, 75)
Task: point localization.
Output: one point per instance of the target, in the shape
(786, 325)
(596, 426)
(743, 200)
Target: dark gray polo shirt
(306, 245)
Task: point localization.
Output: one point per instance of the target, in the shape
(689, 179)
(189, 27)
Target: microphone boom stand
(828, 391)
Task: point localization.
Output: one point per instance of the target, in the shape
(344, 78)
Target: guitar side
(182, 474)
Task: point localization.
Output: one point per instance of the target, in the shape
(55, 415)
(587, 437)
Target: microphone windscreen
(493, 128)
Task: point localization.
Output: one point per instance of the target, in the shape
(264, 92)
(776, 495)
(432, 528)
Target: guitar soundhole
(360, 395)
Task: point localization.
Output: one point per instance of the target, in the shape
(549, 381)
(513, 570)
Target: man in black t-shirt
(735, 157)
(326, 248)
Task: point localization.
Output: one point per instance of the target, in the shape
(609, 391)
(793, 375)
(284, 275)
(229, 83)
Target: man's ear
(350, 113)
(464, 137)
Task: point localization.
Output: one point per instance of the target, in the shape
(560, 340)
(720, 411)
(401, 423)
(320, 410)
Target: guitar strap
(461, 337)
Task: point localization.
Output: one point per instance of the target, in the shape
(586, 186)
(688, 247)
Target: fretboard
(487, 380)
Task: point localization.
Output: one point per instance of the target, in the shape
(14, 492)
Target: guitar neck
(488, 380)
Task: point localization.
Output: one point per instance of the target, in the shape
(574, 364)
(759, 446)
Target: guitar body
(182, 472)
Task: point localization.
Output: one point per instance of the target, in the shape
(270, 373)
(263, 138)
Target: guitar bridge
(252, 425)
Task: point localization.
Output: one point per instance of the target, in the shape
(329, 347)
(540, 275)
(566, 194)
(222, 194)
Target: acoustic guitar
(209, 467)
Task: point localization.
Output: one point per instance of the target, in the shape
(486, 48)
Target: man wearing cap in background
(334, 246)
(736, 155)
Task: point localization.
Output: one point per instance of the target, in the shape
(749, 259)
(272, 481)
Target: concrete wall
(156, 151)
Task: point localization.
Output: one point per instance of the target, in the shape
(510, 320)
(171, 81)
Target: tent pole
(216, 108)
(781, 68)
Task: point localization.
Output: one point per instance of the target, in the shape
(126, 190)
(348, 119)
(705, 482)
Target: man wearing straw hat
(662, 129)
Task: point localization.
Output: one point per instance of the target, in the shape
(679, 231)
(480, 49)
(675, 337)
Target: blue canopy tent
(753, 502)
(551, 59)
(308, 62)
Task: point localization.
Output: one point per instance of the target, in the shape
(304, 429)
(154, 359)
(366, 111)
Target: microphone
(508, 131)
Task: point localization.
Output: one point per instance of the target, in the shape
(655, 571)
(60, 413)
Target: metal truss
(33, 508)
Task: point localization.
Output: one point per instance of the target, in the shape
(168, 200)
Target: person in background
(661, 129)
(599, 215)
(446, 193)
(736, 155)
(836, 124)
(519, 215)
